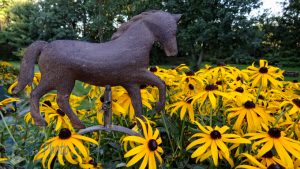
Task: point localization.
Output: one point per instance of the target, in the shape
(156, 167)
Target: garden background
(221, 111)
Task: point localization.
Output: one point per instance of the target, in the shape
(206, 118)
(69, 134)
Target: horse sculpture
(123, 61)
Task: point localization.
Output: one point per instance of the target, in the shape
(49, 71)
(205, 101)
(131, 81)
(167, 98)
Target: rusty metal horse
(123, 61)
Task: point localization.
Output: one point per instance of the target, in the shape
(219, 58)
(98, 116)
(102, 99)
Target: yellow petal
(84, 138)
(214, 152)
(136, 158)
(135, 151)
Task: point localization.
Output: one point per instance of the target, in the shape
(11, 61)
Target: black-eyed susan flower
(147, 147)
(7, 101)
(293, 106)
(124, 101)
(274, 139)
(185, 105)
(264, 75)
(90, 163)
(249, 112)
(3, 159)
(267, 162)
(211, 93)
(54, 114)
(212, 143)
(64, 146)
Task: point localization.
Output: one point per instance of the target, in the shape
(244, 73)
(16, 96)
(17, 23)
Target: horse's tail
(27, 65)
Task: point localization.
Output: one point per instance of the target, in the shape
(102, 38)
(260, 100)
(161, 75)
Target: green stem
(182, 132)
(258, 93)
(279, 117)
(167, 130)
(210, 118)
(5, 124)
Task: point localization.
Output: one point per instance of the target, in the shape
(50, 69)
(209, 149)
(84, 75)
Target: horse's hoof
(40, 123)
(79, 126)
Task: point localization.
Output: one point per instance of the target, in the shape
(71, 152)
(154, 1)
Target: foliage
(209, 120)
(209, 30)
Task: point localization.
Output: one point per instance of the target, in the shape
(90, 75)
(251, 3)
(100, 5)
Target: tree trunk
(199, 61)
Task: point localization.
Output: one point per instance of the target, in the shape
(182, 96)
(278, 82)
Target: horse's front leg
(151, 79)
(136, 99)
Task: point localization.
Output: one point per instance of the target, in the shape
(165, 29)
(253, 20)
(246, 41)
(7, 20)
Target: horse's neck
(138, 34)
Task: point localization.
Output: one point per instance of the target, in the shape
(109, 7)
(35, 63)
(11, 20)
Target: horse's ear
(177, 17)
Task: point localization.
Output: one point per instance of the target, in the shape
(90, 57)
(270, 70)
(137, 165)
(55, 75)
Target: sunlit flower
(147, 147)
(264, 75)
(293, 106)
(3, 159)
(64, 146)
(249, 112)
(212, 143)
(90, 163)
(211, 93)
(268, 161)
(275, 139)
(54, 114)
(185, 105)
(8, 100)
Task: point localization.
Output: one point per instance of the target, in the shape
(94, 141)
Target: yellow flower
(90, 163)
(147, 147)
(64, 145)
(264, 75)
(211, 93)
(212, 143)
(8, 100)
(185, 105)
(293, 106)
(249, 112)
(3, 159)
(55, 114)
(275, 139)
(267, 162)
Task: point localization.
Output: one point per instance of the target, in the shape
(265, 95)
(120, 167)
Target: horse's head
(163, 25)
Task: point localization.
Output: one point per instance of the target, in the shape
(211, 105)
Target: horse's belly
(103, 78)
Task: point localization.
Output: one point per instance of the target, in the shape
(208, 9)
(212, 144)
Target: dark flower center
(296, 102)
(211, 87)
(143, 86)
(153, 69)
(190, 73)
(274, 166)
(295, 81)
(268, 154)
(238, 78)
(249, 105)
(191, 87)
(215, 134)
(239, 89)
(64, 133)
(263, 70)
(60, 112)
(152, 144)
(93, 163)
(102, 99)
(48, 103)
(189, 101)
(220, 82)
(274, 132)
(261, 97)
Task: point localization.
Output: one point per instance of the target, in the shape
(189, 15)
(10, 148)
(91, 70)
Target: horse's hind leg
(148, 77)
(35, 96)
(136, 99)
(63, 94)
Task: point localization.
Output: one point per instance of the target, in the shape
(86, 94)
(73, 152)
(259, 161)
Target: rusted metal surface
(123, 61)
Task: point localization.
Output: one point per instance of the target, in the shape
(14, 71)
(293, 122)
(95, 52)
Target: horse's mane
(127, 24)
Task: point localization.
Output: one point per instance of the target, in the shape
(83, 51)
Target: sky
(273, 6)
